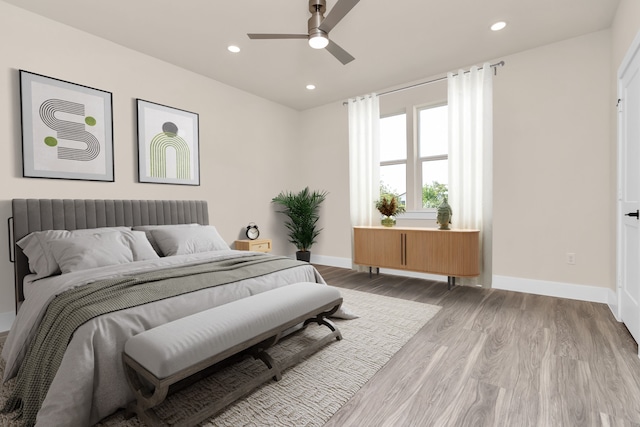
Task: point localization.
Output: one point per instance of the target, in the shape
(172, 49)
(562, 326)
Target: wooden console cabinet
(452, 253)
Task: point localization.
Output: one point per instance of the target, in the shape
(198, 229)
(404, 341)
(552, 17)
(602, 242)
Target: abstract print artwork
(67, 129)
(167, 145)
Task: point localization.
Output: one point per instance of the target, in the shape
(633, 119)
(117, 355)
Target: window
(393, 155)
(415, 168)
(433, 142)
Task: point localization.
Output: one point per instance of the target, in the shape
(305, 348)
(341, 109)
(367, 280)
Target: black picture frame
(168, 144)
(67, 129)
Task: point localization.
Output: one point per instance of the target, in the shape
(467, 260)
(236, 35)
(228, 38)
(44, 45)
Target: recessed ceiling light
(311, 87)
(498, 26)
(234, 49)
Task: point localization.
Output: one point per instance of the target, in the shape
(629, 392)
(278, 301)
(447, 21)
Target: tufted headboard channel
(31, 215)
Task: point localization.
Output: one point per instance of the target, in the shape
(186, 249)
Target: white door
(629, 189)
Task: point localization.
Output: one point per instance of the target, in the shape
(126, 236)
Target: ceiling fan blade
(340, 54)
(336, 14)
(278, 36)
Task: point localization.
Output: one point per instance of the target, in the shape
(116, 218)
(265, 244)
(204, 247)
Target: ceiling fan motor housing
(317, 8)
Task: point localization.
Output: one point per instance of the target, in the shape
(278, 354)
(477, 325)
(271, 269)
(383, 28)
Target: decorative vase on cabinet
(388, 221)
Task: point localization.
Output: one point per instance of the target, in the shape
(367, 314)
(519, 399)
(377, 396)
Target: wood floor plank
(439, 391)
(496, 363)
(492, 357)
(364, 407)
(571, 392)
(474, 407)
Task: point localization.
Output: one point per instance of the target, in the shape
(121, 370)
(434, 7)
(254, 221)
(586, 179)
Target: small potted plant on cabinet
(302, 211)
(389, 206)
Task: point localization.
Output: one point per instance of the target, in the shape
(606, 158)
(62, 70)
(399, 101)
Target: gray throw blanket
(71, 309)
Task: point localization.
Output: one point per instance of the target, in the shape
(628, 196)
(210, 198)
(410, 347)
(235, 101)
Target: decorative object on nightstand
(389, 206)
(444, 215)
(257, 245)
(301, 210)
(252, 231)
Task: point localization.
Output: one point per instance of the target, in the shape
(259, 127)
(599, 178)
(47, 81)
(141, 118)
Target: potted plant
(389, 206)
(301, 210)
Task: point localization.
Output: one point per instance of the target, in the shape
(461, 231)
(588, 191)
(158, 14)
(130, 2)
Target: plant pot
(388, 221)
(303, 256)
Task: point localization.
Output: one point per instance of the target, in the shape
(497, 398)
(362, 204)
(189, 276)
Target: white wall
(551, 163)
(245, 141)
(551, 158)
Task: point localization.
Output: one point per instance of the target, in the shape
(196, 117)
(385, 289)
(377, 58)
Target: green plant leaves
(302, 214)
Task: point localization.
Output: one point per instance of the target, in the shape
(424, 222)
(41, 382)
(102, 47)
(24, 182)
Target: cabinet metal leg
(451, 282)
(371, 269)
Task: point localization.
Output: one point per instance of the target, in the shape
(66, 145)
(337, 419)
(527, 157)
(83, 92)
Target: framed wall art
(67, 129)
(168, 145)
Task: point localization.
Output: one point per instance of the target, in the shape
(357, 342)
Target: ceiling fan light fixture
(318, 40)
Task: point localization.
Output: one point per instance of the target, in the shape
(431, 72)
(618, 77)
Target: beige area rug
(312, 391)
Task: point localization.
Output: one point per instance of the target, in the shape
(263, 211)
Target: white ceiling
(394, 42)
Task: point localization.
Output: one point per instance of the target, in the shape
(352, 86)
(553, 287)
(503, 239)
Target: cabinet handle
(405, 249)
(401, 251)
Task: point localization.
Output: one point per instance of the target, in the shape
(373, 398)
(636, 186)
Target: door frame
(634, 50)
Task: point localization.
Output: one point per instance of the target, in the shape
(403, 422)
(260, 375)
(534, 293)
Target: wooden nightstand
(258, 245)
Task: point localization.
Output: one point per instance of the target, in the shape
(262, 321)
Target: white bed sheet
(90, 383)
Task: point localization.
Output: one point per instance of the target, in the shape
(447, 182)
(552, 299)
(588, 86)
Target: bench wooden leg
(272, 364)
(146, 399)
(321, 319)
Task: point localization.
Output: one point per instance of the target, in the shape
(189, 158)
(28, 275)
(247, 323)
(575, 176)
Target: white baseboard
(517, 284)
(612, 302)
(346, 263)
(331, 261)
(552, 289)
(6, 320)
(425, 276)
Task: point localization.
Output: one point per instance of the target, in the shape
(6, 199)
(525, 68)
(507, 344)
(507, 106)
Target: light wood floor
(498, 358)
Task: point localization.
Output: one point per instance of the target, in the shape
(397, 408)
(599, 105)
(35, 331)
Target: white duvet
(90, 383)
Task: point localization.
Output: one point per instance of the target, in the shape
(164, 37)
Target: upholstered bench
(169, 353)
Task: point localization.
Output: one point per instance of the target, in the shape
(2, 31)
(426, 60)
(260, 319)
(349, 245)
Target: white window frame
(420, 160)
(401, 161)
(413, 162)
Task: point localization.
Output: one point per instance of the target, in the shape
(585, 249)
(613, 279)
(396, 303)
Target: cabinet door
(378, 247)
(421, 252)
(449, 253)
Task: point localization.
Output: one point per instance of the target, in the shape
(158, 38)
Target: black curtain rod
(494, 66)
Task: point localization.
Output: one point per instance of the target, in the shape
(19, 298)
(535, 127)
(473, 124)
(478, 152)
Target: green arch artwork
(158, 146)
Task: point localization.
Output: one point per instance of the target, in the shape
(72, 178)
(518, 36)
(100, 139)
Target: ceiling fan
(319, 28)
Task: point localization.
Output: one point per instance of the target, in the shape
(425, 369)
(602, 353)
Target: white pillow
(139, 245)
(36, 247)
(190, 240)
(87, 251)
(148, 228)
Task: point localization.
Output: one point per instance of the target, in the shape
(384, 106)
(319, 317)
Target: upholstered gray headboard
(31, 215)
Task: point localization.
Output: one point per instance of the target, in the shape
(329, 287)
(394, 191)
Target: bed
(89, 383)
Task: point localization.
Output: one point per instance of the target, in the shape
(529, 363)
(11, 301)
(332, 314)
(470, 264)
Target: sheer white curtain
(470, 101)
(364, 159)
